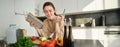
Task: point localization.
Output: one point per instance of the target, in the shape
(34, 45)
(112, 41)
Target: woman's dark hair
(49, 4)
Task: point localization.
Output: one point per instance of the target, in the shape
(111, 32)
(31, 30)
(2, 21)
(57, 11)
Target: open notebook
(31, 17)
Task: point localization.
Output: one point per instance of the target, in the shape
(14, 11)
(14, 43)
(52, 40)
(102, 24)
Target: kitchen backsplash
(110, 17)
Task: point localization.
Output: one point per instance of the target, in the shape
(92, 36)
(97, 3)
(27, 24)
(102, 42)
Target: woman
(53, 24)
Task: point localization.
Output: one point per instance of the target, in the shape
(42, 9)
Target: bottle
(70, 37)
(93, 22)
(65, 38)
(103, 20)
(11, 34)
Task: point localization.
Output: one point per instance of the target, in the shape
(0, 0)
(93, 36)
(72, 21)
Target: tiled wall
(96, 16)
(107, 18)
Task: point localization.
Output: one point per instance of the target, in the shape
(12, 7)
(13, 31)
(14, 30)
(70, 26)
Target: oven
(112, 37)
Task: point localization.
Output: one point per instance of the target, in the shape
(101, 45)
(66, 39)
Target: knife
(51, 35)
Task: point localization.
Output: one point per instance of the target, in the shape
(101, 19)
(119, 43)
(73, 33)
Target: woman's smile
(49, 12)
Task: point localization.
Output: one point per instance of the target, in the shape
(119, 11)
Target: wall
(7, 15)
(23, 6)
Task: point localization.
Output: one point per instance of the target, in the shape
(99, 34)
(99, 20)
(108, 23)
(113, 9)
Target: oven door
(112, 38)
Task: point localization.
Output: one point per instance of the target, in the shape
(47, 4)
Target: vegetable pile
(24, 42)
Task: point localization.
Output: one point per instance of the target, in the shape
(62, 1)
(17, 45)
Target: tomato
(43, 44)
(50, 45)
(53, 41)
(33, 38)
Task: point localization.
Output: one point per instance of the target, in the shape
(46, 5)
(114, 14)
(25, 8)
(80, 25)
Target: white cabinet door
(98, 33)
(80, 5)
(88, 33)
(88, 5)
(79, 33)
(112, 40)
(99, 4)
(112, 4)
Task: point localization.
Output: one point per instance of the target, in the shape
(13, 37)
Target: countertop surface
(111, 28)
(87, 43)
(99, 27)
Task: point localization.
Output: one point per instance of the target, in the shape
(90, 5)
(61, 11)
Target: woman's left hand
(60, 19)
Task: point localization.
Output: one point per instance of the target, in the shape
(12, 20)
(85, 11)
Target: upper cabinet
(112, 4)
(60, 5)
(73, 6)
(84, 5)
(89, 5)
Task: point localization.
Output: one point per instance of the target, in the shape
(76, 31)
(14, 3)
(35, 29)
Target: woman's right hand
(32, 23)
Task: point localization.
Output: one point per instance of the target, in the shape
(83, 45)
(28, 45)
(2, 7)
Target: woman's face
(49, 12)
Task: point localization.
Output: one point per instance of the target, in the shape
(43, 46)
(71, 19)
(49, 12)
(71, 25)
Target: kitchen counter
(87, 43)
(115, 28)
(99, 27)
(84, 43)
(108, 36)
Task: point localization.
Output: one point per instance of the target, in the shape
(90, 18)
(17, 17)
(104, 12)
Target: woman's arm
(39, 31)
(60, 26)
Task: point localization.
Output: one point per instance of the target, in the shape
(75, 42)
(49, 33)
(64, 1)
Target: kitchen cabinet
(112, 4)
(88, 33)
(112, 37)
(98, 33)
(89, 5)
(84, 5)
(73, 6)
(112, 40)
(60, 5)
(99, 4)
(107, 36)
